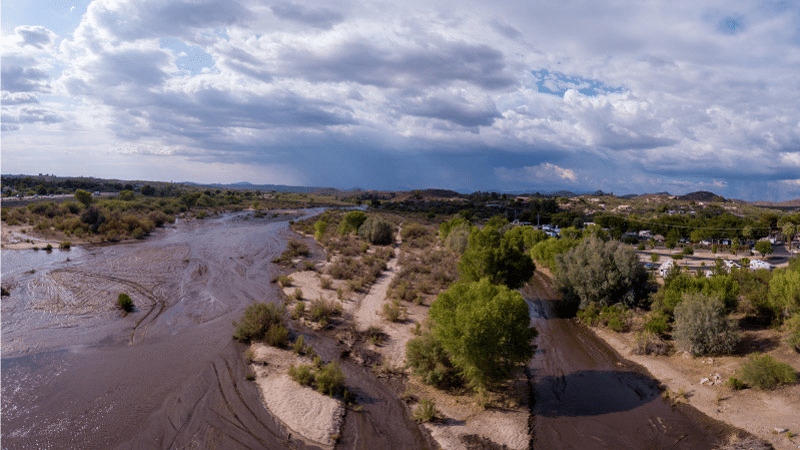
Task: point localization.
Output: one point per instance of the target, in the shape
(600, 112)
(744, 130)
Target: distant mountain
(702, 196)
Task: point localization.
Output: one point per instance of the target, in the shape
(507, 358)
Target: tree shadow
(592, 393)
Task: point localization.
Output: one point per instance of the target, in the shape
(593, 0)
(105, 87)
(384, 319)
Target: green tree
(702, 327)
(764, 247)
(258, 320)
(789, 230)
(377, 231)
(84, 197)
(495, 255)
(351, 222)
(784, 292)
(605, 272)
(747, 232)
(486, 330)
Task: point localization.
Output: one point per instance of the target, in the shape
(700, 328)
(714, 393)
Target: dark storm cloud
(453, 109)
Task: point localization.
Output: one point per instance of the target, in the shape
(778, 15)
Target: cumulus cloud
(514, 95)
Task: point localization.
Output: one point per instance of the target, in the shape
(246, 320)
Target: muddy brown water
(586, 396)
(76, 373)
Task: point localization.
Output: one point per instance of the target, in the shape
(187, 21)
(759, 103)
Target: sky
(622, 96)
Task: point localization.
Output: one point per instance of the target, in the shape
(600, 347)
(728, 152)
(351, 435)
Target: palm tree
(789, 230)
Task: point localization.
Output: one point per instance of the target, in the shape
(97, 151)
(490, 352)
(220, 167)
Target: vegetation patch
(262, 321)
(124, 302)
(765, 372)
(702, 327)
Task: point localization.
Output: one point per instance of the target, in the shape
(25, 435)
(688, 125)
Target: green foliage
(351, 222)
(377, 231)
(458, 238)
(417, 235)
(393, 312)
(793, 327)
(320, 227)
(124, 302)
(126, 196)
(763, 247)
(485, 328)
(299, 310)
(257, 321)
(525, 237)
(65, 245)
(428, 359)
(784, 291)
(302, 374)
(285, 281)
(657, 324)
(702, 327)
(425, 412)
(330, 379)
(447, 227)
(600, 271)
(321, 311)
(84, 197)
(493, 254)
(765, 372)
(736, 384)
(545, 251)
(649, 343)
(676, 284)
(277, 336)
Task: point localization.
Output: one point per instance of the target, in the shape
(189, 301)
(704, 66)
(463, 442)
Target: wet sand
(586, 396)
(77, 373)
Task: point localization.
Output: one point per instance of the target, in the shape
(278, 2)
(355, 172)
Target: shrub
(257, 320)
(302, 374)
(428, 359)
(323, 310)
(330, 379)
(425, 411)
(736, 384)
(299, 345)
(393, 312)
(296, 248)
(764, 372)
(124, 302)
(657, 324)
(277, 336)
(65, 245)
(285, 281)
(325, 283)
(614, 317)
(649, 343)
(457, 238)
(48, 248)
(352, 221)
(377, 231)
(793, 325)
(702, 327)
(299, 310)
(298, 294)
(590, 315)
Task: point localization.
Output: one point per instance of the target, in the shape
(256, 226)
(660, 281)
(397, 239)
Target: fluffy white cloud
(676, 96)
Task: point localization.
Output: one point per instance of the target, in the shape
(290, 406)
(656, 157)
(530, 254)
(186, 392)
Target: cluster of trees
(481, 328)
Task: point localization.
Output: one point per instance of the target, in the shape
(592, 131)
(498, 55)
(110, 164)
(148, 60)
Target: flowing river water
(77, 373)
(586, 396)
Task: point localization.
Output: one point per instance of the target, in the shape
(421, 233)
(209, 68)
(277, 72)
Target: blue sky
(623, 96)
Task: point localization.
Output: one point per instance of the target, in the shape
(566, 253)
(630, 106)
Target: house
(666, 267)
(759, 264)
(645, 235)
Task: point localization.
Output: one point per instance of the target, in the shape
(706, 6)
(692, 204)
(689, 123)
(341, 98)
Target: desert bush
(65, 245)
(322, 310)
(793, 325)
(277, 336)
(590, 315)
(285, 281)
(425, 411)
(330, 379)
(428, 359)
(657, 324)
(601, 271)
(702, 327)
(298, 294)
(296, 248)
(352, 221)
(257, 320)
(302, 374)
(736, 384)
(614, 317)
(393, 312)
(416, 235)
(377, 231)
(299, 310)
(325, 283)
(649, 343)
(124, 302)
(765, 372)
(457, 239)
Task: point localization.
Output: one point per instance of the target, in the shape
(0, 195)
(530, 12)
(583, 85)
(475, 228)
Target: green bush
(124, 302)
(257, 321)
(65, 245)
(299, 310)
(649, 343)
(352, 221)
(425, 411)
(764, 372)
(321, 310)
(325, 283)
(298, 294)
(277, 336)
(657, 324)
(377, 231)
(793, 325)
(393, 312)
(428, 359)
(330, 379)
(285, 281)
(302, 374)
(614, 317)
(590, 315)
(736, 384)
(702, 327)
